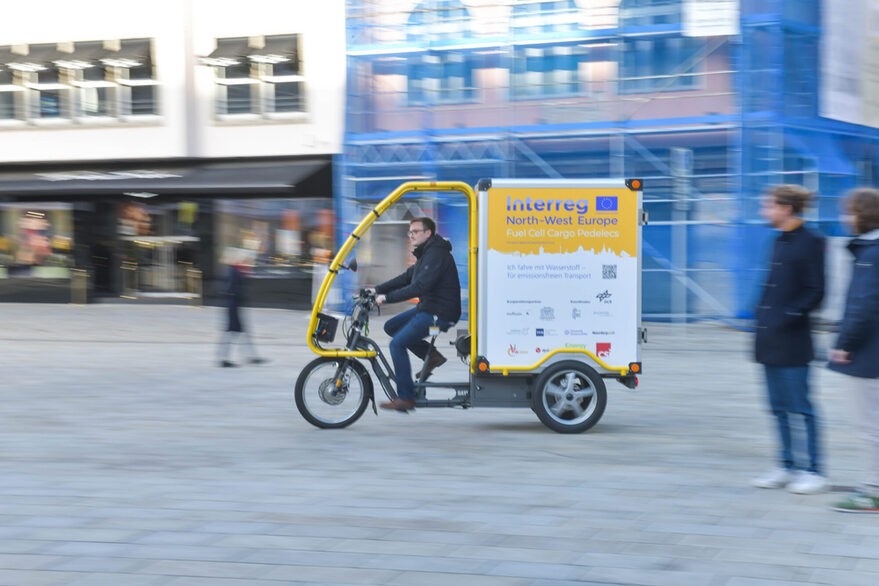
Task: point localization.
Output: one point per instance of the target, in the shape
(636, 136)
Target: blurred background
(138, 144)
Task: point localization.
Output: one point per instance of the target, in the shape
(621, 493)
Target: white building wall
(182, 31)
(322, 32)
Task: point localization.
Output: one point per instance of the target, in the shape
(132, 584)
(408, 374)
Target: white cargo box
(559, 273)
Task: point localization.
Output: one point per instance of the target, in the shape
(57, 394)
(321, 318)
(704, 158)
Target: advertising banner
(561, 271)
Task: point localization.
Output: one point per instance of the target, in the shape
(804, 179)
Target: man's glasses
(414, 232)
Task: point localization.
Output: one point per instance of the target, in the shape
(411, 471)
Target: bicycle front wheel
(330, 402)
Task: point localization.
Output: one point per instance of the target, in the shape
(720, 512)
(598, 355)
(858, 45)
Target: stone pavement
(128, 458)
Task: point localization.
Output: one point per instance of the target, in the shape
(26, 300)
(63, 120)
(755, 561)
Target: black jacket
(433, 279)
(794, 288)
(859, 330)
(234, 294)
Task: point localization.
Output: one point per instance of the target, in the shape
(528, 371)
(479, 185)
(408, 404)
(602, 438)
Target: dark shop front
(153, 230)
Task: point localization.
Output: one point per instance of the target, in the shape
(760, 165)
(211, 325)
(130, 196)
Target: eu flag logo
(606, 203)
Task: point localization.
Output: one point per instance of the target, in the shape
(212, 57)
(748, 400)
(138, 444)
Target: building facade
(708, 101)
(141, 143)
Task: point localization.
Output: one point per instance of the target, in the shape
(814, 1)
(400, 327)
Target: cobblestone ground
(130, 458)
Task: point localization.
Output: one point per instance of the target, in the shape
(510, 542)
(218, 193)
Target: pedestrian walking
(235, 298)
(783, 344)
(856, 351)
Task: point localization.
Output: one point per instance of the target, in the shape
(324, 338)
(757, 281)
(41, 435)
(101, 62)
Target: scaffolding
(708, 113)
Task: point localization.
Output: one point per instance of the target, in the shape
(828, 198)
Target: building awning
(295, 178)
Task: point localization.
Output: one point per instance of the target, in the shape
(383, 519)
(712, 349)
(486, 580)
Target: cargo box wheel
(569, 397)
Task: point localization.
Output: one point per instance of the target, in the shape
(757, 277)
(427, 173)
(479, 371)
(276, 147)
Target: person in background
(783, 344)
(856, 352)
(236, 260)
(434, 280)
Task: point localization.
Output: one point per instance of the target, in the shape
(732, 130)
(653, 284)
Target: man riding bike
(434, 280)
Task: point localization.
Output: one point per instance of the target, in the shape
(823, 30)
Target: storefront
(151, 230)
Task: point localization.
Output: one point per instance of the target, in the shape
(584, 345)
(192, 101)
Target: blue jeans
(407, 331)
(789, 394)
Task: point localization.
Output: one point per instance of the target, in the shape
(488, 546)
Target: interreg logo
(581, 206)
(604, 296)
(606, 203)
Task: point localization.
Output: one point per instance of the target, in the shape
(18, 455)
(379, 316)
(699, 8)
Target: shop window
(281, 237)
(261, 81)
(36, 241)
(159, 246)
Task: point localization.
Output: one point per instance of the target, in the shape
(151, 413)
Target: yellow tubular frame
(364, 225)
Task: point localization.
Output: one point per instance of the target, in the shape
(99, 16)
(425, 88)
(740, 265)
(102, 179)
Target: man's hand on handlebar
(379, 299)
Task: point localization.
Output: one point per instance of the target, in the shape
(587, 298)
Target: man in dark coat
(794, 288)
(434, 280)
(856, 352)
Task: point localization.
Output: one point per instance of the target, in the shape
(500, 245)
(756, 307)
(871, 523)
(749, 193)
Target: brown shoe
(399, 404)
(436, 360)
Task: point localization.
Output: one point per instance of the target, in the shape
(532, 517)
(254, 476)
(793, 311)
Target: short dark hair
(795, 196)
(427, 223)
(863, 204)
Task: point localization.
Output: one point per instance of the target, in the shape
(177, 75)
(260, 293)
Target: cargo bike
(554, 307)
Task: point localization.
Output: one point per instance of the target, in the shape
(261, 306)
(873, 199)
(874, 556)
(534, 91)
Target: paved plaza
(127, 457)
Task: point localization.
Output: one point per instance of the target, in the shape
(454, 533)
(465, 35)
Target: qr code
(608, 271)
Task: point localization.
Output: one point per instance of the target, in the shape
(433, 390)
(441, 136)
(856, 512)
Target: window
(438, 20)
(94, 89)
(649, 12)
(530, 17)
(539, 72)
(49, 96)
(264, 80)
(658, 64)
(134, 73)
(8, 91)
(280, 70)
(445, 77)
(85, 80)
(36, 240)
(284, 238)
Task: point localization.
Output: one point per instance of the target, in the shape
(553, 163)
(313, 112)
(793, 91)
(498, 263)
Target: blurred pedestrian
(236, 261)
(856, 352)
(794, 287)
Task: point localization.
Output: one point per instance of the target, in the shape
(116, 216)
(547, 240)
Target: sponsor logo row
(602, 349)
(548, 332)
